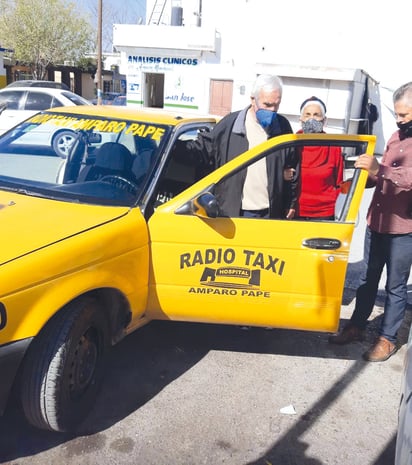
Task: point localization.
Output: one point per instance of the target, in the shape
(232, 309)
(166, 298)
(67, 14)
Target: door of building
(154, 90)
(220, 97)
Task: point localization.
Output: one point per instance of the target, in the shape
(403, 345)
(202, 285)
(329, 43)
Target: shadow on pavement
(154, 356)
(291, 449)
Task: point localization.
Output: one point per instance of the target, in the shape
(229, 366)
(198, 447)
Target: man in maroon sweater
(388, 239)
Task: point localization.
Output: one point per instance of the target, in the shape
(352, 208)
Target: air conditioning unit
(68, 63)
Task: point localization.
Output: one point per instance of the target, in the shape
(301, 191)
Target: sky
(362, 34)
(114, 11)
(354, 33)
(128, 8)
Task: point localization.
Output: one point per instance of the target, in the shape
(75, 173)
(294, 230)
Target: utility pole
(99, 52)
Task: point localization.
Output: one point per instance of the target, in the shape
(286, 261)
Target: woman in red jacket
(321, 168)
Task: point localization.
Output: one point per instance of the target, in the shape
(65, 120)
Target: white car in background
(19, 103)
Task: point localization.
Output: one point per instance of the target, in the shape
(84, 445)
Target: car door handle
(325, 243)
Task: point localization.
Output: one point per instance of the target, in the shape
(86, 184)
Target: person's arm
(401, 176)
(292, 165)
(197, 152)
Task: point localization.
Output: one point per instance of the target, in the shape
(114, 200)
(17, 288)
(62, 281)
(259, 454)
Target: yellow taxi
(119, 231)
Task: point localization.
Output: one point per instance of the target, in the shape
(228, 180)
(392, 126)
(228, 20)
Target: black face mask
(405, 128)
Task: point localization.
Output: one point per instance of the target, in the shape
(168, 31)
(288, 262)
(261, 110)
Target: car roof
(153, 115)
(47, 90)
(38, 83)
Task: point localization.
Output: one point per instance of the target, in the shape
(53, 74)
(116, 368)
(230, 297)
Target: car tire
(62, 143)
(63, 370)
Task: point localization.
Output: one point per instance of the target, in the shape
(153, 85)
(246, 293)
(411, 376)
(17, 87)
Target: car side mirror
(205, 206)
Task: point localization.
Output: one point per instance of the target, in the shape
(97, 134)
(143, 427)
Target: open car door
(263, 272)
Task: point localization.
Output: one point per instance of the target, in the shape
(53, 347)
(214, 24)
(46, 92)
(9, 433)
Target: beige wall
(3, 80)
(88, 86)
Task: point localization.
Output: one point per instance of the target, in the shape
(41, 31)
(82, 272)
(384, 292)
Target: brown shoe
(349, 333)
(380, 351)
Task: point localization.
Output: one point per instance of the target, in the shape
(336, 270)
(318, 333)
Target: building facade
(204, 55)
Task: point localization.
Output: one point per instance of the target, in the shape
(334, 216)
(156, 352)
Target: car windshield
(97, 160)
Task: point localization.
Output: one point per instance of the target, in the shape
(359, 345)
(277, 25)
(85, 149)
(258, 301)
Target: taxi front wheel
(63, 370)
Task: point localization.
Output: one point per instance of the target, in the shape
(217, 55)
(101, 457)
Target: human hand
(290, 214)
(368, 163)
(345, 186)
(288, 174)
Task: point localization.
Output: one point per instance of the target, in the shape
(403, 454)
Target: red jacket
(321, 174)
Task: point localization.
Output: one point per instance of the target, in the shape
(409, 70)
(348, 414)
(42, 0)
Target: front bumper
(11, 356)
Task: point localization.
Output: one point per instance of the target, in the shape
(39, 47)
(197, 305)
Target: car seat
(146, 149)
(111, 159)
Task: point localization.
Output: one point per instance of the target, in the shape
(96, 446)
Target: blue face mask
(265, 117)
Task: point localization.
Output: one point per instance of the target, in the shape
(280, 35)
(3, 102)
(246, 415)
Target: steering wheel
(121, 183)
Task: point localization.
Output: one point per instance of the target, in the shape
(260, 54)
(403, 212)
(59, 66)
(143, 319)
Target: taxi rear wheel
(63, 370)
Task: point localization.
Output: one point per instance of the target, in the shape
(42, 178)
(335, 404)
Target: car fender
(63, 271)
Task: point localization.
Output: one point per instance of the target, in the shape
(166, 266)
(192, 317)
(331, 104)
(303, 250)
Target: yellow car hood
(29, 223)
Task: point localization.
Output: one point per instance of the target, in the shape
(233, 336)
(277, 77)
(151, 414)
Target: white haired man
(267, 188)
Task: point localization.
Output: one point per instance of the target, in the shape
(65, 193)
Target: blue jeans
(395, 252)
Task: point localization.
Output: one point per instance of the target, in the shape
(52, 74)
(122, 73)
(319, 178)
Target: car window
(56, 103)
(128, 140)
(178, 175)
(67, 156)
(38, 101)
(76, 99)
(12, 98)
(274, 159)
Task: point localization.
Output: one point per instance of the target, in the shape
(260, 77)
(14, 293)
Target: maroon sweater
(390, 210)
